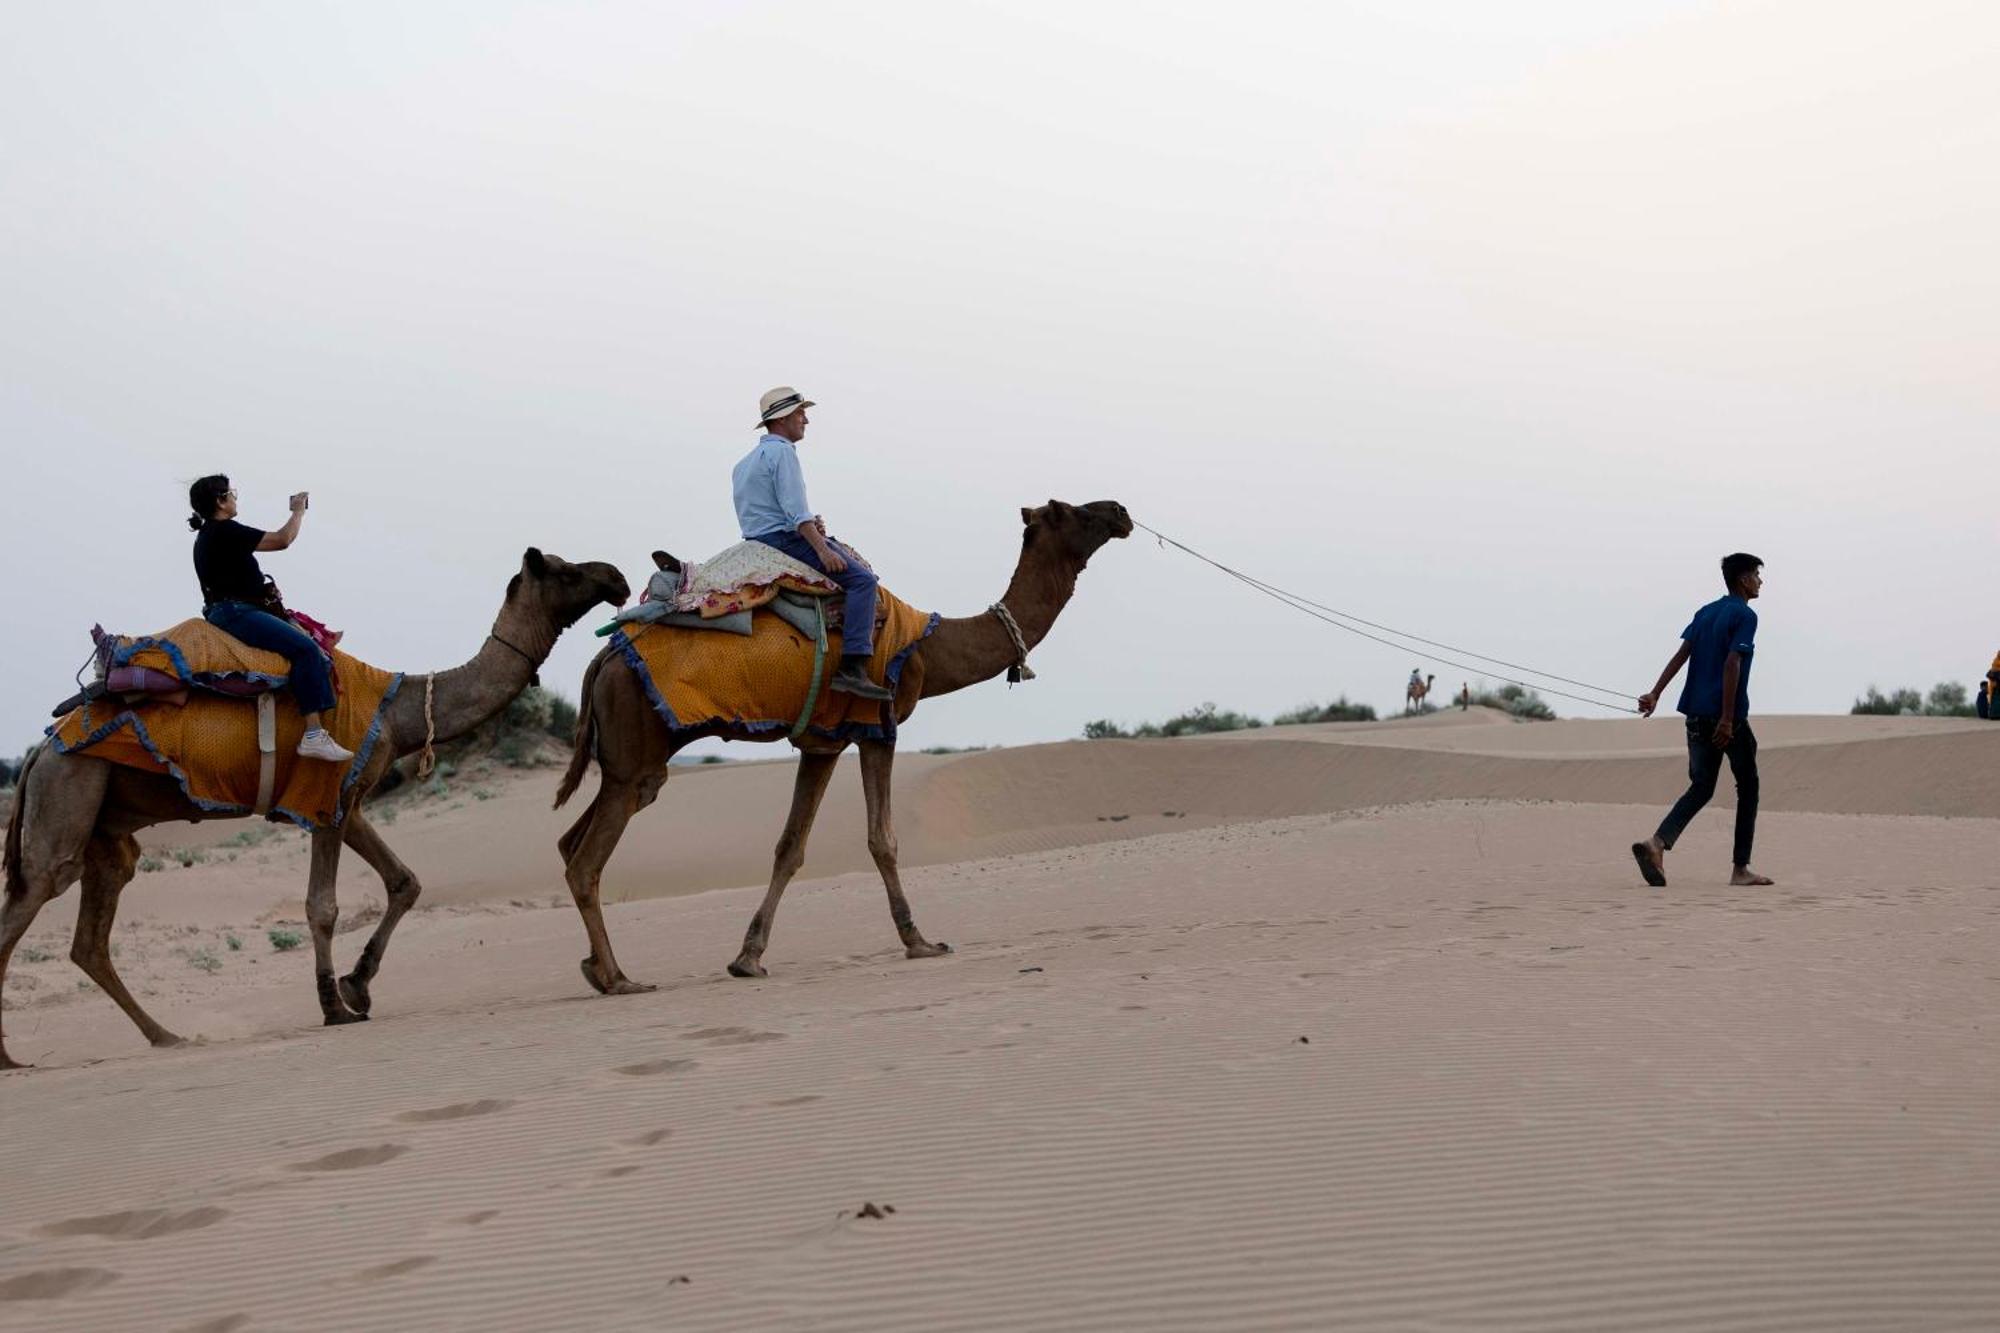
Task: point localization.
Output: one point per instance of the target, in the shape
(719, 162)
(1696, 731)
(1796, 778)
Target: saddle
(164, 667)
(724, 592)
(171, 667)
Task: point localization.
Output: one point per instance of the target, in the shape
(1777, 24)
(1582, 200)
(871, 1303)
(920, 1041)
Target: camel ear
(662, 560)
(534, 562)
(1027, 516)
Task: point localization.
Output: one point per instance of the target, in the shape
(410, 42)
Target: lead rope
(427, 758)
(1020, 671)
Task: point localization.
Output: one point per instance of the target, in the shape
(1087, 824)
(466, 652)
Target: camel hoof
(166, 1040)
(335, 1020)
(938, 950)
(624, 985)
(747, 967)
(7, 1063)
(354, 994)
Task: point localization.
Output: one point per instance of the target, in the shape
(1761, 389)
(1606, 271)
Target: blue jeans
(312, 685)
(1704, 768)
(858, 638)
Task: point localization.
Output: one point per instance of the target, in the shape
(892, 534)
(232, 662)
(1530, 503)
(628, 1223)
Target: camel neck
(964, 651)
(466, 695)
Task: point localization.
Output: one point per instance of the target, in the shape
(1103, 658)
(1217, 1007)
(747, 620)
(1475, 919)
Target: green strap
(819, 666)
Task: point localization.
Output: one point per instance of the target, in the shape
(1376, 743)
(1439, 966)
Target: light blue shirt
(770, 488)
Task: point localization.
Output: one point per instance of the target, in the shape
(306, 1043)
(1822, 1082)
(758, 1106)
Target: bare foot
(1746, 878)
(1652, 861)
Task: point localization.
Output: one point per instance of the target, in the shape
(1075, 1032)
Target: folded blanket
(744, 577)
(695, 678)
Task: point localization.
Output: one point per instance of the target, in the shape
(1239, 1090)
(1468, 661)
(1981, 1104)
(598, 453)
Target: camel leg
(56, 808)
(877, 760)
(108, 866)
(401, 886)
(583, 868)
(322, 910)
(815, 771)
(16, 914)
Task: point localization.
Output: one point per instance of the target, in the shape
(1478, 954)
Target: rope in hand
(1338, 618)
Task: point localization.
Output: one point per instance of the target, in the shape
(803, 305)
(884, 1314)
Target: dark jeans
(858, 638)
(312, 686)
(1704, 768)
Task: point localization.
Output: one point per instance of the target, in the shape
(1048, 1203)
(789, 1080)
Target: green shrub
(1197, 721)
(283, 940)
(1340, 710)
(205, 959)
(148, 864)
(1947, 698)
(1517, 700)
(234, 941)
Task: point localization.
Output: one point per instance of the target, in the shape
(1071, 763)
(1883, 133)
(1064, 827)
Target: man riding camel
(771, 508)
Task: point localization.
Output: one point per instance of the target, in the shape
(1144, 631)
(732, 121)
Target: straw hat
(781, 402)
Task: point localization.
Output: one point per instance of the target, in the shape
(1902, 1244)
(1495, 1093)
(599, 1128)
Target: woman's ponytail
(203, 496)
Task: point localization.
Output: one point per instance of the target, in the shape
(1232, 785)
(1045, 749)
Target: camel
(74, 815)
(631, 743)
(1415, 693)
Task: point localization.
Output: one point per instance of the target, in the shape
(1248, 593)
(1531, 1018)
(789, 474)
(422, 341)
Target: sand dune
(1360, 1027)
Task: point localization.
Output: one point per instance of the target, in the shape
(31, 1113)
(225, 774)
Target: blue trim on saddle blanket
(846, 731)
(123, 654)
(130, 717)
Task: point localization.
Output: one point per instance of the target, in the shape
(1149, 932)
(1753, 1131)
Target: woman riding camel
(241, 602)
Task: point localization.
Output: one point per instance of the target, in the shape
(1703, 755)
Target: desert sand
(1357, 1026)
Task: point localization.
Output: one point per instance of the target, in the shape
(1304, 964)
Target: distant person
(1716, 648)
(238, 600)
(771, 507)
(1465, 697)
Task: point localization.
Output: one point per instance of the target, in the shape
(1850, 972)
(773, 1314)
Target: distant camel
(1415, 693)
(74, 814)
(632, 745)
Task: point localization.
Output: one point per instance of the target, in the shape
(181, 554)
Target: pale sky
(1499, 323)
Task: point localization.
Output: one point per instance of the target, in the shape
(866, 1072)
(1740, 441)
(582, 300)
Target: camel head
(552, 588)
(1078, 530)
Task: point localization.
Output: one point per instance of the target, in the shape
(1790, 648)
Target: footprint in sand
(349, 1159)
(649, 1138)
(136, 1223)
(732, 1036)
(52, 1284)
(654, 1067)
(474, 1219)
(617, 1172)
(456, 1111)
(796, 1101)
(396, 1268)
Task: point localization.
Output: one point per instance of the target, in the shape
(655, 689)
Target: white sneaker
(319, 745)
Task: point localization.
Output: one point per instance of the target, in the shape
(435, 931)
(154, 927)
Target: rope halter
(1020, 671)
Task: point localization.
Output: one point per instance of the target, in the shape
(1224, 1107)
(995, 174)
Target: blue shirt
(770, 488)
(1726, 625)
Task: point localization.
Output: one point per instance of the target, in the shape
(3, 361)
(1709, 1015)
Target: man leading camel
(1716, 647)
(770, 491)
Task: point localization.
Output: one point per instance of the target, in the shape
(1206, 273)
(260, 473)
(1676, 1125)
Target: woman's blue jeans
(312, 685)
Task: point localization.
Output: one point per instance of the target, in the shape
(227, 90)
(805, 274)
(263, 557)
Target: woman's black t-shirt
(225, 561)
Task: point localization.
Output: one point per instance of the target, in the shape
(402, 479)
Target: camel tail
(586, 732)
(15, 883)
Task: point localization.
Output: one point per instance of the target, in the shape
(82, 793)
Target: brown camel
(1415, 693)
(74, 815)
(632, 743)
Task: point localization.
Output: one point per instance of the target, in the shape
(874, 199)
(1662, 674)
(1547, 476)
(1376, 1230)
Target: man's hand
(1647, 703)
(830, 559)
(299, 502)
(1725, 732)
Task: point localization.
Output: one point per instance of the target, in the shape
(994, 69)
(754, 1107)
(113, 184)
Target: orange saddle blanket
(696, 678)
(209, 743)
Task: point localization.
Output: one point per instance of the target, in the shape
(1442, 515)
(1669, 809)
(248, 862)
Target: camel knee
(322, 916)
(403, 890)
(882, 846)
